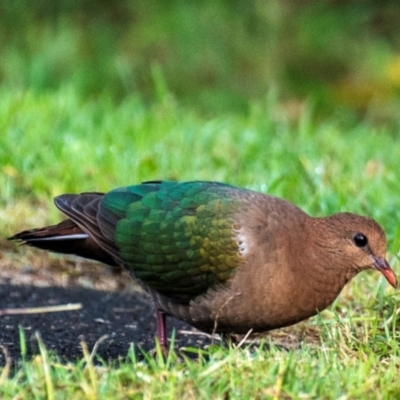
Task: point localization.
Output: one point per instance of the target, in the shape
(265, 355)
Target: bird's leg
(161, 329)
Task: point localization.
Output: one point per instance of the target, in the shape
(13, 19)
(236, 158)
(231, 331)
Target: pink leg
(161, 329)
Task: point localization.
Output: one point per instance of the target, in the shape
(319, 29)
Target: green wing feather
(177, 237)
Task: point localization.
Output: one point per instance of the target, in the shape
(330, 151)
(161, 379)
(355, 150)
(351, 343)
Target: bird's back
(179, 239)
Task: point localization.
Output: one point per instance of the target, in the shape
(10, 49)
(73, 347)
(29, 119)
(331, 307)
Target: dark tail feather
(66, 238)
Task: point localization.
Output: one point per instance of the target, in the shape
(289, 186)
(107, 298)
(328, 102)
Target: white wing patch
(241, 241)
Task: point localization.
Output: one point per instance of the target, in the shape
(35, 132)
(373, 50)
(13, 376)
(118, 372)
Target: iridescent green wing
(177, 237)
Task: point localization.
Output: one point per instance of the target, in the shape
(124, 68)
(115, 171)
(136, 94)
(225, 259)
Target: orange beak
(383, 266)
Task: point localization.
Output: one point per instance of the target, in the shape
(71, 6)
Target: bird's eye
(360, 240)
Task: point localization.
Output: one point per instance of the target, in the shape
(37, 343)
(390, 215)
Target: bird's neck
(320, 263)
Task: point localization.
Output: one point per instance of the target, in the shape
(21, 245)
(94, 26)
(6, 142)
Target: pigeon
(224, 259)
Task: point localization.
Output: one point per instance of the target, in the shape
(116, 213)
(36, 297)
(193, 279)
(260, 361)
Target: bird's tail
(67, 238)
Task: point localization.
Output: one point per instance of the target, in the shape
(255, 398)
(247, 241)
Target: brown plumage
(221, 258)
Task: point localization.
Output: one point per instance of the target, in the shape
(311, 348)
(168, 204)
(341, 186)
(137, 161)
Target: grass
(57, 142)
(215, 54)
(348, 364)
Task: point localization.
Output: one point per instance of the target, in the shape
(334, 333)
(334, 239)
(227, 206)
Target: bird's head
(361, 242)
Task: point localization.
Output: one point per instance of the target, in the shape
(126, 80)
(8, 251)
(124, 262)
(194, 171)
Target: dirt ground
(111, 305)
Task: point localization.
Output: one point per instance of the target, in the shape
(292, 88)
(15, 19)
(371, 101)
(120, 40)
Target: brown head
(360, 240)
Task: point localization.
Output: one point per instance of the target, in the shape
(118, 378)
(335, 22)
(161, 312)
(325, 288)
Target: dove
(221, 258)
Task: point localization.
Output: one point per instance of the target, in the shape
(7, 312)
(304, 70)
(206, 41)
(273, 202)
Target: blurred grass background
(213, 55)
(289, 97)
